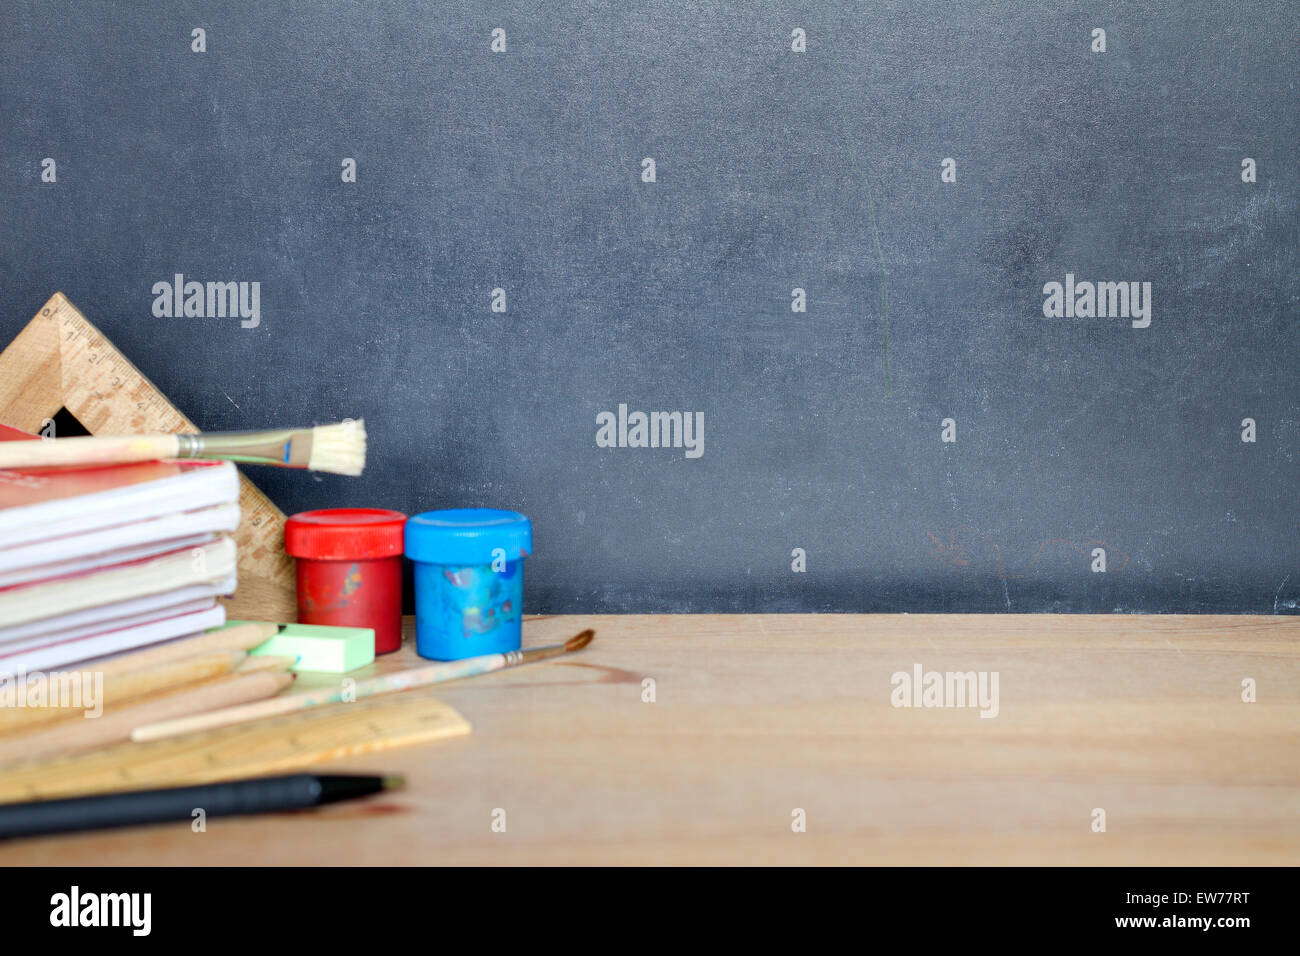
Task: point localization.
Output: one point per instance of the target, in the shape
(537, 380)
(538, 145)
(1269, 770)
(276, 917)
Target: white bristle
(340, 448)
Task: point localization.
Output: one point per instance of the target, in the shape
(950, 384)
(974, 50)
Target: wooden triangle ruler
(60, 361)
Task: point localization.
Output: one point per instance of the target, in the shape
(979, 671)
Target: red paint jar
(350, 569)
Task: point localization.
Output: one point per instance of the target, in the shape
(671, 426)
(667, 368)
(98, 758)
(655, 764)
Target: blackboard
(502, 146)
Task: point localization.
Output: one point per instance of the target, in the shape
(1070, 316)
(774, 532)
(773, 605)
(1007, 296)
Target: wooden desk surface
(758, 715)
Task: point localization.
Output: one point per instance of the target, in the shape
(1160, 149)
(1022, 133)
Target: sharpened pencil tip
(579, 641)
(394, 782)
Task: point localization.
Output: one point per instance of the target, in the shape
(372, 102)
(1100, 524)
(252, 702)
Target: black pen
(234, 798)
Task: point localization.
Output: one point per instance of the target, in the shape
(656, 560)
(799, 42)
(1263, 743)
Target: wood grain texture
(60, 360)
(758, 715)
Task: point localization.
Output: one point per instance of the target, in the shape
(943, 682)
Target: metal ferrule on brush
(286, 448)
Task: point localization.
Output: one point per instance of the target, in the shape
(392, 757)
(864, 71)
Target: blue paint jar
(469, 580)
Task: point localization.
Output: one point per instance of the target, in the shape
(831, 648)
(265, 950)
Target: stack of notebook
(104, 559)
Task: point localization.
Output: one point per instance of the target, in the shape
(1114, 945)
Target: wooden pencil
(244, 637)
(116, 727)
(114, 690)
(254, 663)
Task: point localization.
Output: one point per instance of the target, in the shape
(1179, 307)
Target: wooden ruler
(59, 360)
(269, 746)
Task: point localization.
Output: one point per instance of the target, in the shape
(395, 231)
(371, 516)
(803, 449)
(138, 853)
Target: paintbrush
(384, 684)
(340, 448)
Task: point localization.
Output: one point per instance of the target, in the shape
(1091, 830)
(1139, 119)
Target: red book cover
(45, 503)
(23, 487)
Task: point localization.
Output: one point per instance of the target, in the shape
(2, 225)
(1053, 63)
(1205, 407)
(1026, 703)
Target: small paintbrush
(384, 684)
(340, 449)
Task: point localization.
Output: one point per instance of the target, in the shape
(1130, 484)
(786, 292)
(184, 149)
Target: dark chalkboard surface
(794, 147)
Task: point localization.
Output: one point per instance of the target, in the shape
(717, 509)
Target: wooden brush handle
(115, 725)
(89, 450)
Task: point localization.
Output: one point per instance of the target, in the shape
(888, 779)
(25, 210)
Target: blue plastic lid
(468, 536)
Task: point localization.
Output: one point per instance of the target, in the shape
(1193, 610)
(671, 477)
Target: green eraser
(320, 648)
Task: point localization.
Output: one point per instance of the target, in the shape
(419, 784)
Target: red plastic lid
(344, 533)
